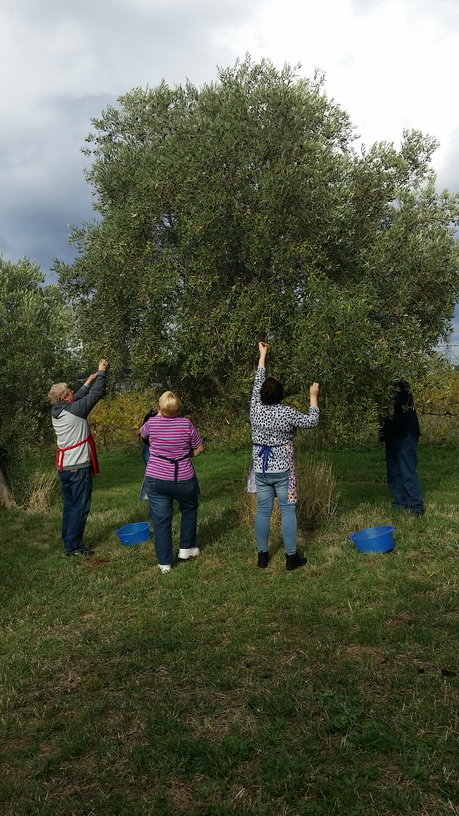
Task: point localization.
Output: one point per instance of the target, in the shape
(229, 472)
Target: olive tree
(34, 336)
(243, 209)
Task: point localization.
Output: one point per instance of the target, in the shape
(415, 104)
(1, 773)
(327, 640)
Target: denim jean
(76, 492)
(268, 486)
(161, 494)
(402, 478)
(145, 453)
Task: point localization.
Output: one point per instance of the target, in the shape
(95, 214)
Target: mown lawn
(222, 689)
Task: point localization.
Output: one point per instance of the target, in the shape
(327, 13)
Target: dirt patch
(401, 618)
(97, 561)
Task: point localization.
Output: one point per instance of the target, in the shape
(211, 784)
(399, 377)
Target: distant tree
(34, 341)
(242, 208)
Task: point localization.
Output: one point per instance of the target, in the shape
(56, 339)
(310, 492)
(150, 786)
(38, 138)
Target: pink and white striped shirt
(173, 437)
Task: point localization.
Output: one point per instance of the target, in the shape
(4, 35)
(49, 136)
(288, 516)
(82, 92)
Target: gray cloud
(43, 182)
(61, 64)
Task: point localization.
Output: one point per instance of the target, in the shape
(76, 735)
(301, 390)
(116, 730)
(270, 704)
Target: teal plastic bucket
(134, 533)
(374, 539)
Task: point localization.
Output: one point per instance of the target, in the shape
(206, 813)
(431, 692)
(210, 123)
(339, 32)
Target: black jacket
(404, 419)
(146, 417)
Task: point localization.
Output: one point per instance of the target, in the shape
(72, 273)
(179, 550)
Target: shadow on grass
(212, 529)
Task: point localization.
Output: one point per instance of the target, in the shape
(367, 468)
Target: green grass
(221, 689)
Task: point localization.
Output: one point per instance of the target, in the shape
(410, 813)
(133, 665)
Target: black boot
(294, 561)
(263, 559)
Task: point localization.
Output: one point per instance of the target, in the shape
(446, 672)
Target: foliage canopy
(241, 209)
(34, 338)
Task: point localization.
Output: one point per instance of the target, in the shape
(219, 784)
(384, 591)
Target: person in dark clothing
(400, 434)
(76, 457)
(146, 441)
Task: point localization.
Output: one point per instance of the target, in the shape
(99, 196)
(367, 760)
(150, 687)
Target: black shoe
(294, 561)
(415, 513)
(263, 558)
(88, 553)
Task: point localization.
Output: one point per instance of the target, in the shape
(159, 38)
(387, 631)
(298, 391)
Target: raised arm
(311, 419)
(85, 399)
(314, 395)
(260, 375)
(263, 350)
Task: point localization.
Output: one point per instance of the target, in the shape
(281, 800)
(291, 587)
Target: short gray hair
(58, 392)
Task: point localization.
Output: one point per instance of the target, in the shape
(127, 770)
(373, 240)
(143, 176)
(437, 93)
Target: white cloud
(391, 68)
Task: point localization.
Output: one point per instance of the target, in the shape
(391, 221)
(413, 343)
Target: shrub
(115, 420)
(437, 403)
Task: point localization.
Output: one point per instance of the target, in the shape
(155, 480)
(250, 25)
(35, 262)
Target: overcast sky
(392, 64)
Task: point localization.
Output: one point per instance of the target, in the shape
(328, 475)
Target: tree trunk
(6, 497)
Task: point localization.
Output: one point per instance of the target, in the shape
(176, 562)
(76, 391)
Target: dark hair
(272, 391)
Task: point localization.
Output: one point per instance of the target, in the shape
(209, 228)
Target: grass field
(221, 689)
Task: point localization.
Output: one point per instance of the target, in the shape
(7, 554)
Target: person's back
(404, 419)
(76, 457)
(400, 432)
(169, 476)
(275, 425)
(173, 438)
(273, 429)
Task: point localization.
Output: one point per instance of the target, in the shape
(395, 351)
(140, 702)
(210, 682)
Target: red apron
(92, 449)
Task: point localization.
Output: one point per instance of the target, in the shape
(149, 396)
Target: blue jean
(161, 494)
(268, 486)
(402, 478)
(76, 492)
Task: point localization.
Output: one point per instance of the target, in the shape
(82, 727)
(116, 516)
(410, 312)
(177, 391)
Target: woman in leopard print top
(273, 429)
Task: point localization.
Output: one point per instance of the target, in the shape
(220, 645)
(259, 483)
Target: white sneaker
(165, 567)
(192, 552)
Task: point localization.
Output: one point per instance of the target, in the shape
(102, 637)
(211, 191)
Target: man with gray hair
(76, 457)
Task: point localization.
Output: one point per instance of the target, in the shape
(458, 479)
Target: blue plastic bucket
(374, 539)
(134, 533)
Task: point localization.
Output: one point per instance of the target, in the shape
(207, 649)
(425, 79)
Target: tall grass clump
(317, 489)
(317, 493)
(41, 491)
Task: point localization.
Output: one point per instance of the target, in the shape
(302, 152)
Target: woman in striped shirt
(170, 475)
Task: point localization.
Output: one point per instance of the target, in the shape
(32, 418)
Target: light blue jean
(270, 485)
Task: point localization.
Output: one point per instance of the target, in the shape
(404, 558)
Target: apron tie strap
(60, 453)
(174, 462)
(266, 452)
